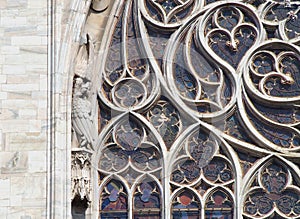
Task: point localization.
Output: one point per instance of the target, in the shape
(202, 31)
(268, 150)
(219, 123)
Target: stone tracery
(185, 120)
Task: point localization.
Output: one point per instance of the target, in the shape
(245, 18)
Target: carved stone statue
(81, 174)
(82, 118)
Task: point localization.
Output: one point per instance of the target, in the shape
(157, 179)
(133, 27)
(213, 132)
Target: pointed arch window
(114, 201)
(186, 205)
(190, 109)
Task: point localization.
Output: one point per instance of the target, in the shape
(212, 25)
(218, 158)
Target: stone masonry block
(3, 95)
(26, 40)
(3, 79)
(14, 69)
(20, 87)
(36, 161)
(4, 187)
(10, 50)
(28, 141)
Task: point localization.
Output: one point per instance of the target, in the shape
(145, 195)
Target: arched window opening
(131, 154)
(147, 201)
(219, 205)
(186, 205)
(114, 201)
(192, 111)
(273, 192)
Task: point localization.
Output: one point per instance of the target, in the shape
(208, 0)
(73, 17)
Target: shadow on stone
(79, 208)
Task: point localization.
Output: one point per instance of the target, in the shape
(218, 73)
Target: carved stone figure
(82, 118)
(85, 57)
(81, 176)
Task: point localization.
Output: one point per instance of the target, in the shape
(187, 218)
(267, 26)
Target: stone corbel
(81, 174)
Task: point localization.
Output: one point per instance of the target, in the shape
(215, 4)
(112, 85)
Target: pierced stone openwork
(190, 109)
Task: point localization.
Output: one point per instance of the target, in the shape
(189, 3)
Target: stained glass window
(114, 201)
(196, 107)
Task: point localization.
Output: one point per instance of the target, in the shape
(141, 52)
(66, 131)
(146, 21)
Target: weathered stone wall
(39, 41)
(23, 108)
